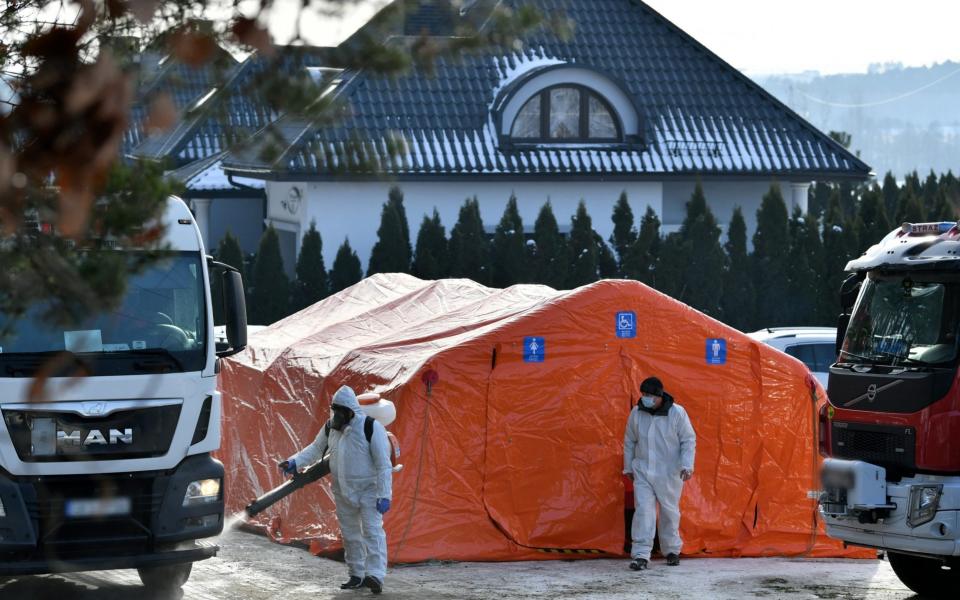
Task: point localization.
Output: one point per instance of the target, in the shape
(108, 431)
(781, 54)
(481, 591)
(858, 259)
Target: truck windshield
(158, 326)
(899, 321)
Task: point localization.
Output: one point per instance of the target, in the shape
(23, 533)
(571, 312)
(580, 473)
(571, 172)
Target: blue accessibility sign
(534, 349)
(626, 324)
(716, 351)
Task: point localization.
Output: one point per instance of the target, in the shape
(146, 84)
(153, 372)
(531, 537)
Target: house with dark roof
(220, 104)
(627, 102)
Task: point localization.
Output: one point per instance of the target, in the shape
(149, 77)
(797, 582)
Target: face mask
(648, 401)
(340, 418)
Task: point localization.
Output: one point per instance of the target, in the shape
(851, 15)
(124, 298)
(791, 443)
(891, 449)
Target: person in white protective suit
(658, 450)
(361, 474)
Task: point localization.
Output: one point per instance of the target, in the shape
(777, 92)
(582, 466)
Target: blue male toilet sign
(716, 351)
(626, 324)
(534, 349)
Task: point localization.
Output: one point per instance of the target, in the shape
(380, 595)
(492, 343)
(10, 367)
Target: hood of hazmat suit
(347, 398)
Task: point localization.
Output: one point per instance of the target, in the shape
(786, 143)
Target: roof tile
(699, 113)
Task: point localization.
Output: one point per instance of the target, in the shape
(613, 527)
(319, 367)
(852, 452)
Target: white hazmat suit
(361, 472)
(657, 446)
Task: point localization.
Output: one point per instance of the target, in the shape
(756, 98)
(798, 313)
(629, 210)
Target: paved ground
(252, 568)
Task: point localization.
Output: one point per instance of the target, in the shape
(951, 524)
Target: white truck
(113, 470)
(891, 428)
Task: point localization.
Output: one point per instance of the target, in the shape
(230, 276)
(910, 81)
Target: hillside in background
(900, 118)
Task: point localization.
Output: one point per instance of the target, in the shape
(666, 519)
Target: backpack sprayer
(375, 407)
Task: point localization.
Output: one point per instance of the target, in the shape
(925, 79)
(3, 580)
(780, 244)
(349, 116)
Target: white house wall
(353, 209)
(722, 197)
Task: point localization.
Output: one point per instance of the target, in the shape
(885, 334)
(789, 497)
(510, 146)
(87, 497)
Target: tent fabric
(516, 454)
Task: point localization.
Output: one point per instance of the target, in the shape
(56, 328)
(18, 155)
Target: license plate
(97, 507)
(43, 437)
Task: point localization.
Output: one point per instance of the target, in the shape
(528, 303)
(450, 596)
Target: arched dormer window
(570, 113)
(566, 104)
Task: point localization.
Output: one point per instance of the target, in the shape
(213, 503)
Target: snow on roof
(213, 178)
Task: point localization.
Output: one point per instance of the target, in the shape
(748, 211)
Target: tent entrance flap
(553, 449)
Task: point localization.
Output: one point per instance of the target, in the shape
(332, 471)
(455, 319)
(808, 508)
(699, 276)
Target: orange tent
(516, 450)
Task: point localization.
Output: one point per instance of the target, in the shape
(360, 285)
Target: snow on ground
(252, 568)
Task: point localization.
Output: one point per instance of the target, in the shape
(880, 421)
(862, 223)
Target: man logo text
(95, 437)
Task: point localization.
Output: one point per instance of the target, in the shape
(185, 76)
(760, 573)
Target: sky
(830, 36)
(756, 36)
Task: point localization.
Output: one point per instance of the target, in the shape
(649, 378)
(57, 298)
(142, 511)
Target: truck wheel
(926, 576)
(166, 579)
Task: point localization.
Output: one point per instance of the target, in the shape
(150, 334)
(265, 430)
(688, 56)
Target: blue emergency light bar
(928, 228)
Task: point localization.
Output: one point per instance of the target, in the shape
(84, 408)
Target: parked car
(816, 347)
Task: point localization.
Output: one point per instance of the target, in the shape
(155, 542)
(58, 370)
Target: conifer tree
(703, 276)
(909, 208)
(624, 233)
(229, 253)
(550, 253)
(928, 193)
(671, 265)
(872, 223)
(311, 283)
(891, 194)
(270, 297)
(607, 267)
(839, 246)
(431, 260)
(391, 253)
(803, 274)
(395, 197)
(469, 248)
(346, 270)
(510, 256)
(943, 210)
(950, 186)
(771, 247)
(738, 295)
(642, 256)
(583, 249)
(819, 197)
(911, 185)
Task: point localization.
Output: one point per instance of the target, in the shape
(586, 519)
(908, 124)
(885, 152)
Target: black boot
(355, 583)
(673, 559)
(638, 564)
(375, 585)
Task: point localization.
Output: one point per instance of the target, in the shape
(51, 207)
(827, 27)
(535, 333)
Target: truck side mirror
(234, 308)
(236, 313)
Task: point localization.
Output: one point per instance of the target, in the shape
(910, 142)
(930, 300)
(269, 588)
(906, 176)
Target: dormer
(566, 104)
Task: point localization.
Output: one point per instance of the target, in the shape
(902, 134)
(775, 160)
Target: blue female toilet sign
(534, 349)
(626, 324)
(716, 351)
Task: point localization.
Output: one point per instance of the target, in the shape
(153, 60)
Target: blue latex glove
(289, 467)
(383, 505)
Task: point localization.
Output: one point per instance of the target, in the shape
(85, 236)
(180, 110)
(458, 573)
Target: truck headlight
(203, 491)
(924, 500)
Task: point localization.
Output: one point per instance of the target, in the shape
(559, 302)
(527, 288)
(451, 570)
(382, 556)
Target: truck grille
(883, 445)
(48, 436)
(63, 537)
